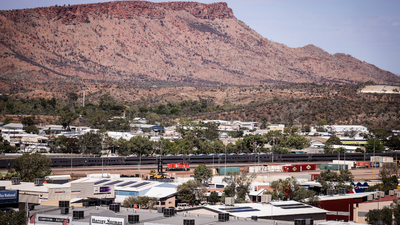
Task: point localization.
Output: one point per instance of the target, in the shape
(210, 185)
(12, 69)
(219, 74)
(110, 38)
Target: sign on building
(9, 197)
(52, 219)
(96, 220)
(102, 190)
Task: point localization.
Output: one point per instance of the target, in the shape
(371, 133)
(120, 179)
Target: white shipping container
(350, 164)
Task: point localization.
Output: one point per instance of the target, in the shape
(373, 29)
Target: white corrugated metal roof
(272, 209)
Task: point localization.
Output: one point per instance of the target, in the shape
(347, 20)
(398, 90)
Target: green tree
(202, 173)
(72, 97)
(66, 116)
(91, 143)
(31, 166)
(141, 145)
(379, 216)
(6, 121)
(374, 144)
(63, 144)
(340, 150)
(306, 129)
(333, 140)
(32, 129)
(121, 125)
(122, 147)
(296, 141)
(13, 217)
(5, 146)
(331, 180)
(235, 134)
(359, 150)
(190, 191)
(320, 125)
(213, 198)
(27, 121)
(394, 142)
(253, 142)
(238, 185)
(98, 119)
(131, 201)
(396, 211)
(210, 131)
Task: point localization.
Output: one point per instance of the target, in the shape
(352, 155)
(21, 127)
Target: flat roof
(279, 208)
(346, 196)
(150, 216)
(30, 186)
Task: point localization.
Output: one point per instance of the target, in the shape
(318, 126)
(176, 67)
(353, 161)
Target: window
(162, 203)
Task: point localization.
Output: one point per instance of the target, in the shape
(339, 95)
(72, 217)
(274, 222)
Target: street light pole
(225, 159)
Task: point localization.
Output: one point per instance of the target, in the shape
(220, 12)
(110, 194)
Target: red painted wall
(341, 205)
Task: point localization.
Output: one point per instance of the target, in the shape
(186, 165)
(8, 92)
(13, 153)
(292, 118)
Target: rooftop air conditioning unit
(299, 222)
(381, 194)
(396, 190)
(64, 210)
(230, 201)
(77, 215)
(330, 192)
(188, 222)
(342, 191)
(133, 219)
(223, 217)
(370, 197)
(169, 212)
(15, 180)
(376, 195)
(38, 181)
(391, 192)
(266, 198)
(114, 207)
(398, 194)
(63, 204)
(309, 222)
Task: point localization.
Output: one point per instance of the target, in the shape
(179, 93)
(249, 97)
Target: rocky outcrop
(163, 44)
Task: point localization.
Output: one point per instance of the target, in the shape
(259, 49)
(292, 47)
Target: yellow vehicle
(153, 175)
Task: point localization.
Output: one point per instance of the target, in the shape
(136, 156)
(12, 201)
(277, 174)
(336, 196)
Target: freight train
(206, 159)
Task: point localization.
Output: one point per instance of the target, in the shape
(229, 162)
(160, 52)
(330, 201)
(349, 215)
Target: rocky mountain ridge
(164, 44)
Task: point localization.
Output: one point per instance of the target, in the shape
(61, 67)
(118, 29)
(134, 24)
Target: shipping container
(363, 164)
(351, 164)
(229, 170)
(381, 159)
(299, 167)
(376, 164)
(333, 167)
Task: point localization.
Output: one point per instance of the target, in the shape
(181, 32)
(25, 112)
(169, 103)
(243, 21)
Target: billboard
(9, 197)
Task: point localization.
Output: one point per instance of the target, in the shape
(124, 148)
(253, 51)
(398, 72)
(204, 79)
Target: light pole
(213, 154)
(225, 159)
(102, 164)
(71, 162)
(140, 159)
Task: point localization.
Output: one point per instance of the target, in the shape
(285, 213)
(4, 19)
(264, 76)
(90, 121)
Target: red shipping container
(299, 167)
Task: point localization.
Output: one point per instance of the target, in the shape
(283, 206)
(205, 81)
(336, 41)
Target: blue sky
(366, 29)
